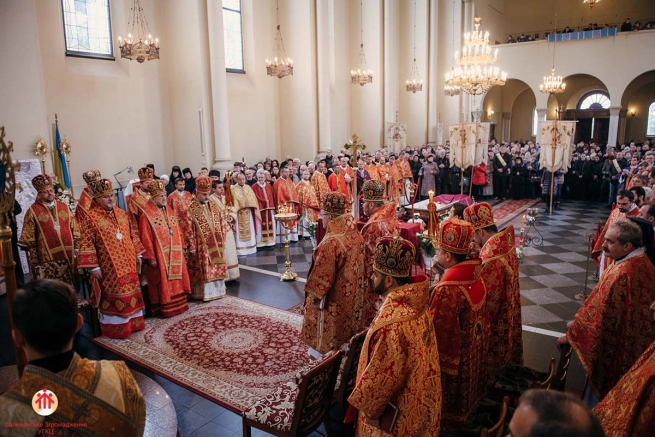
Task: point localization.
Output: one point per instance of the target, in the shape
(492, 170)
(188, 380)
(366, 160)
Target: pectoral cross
(356, 145)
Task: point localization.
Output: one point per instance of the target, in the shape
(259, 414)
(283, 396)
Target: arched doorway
(510, 109)
(637, 119)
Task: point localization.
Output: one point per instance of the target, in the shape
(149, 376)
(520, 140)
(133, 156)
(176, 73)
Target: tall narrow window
(233, 36)
(650, 130)
(535, 122)
(87, 28)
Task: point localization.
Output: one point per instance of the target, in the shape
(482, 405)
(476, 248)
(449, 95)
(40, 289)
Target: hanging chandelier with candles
(553, 84)
(591, 2)
(414, 83)
(281, 65)
(139, 45)
(362, 75)
(452, 90)
(475, 73)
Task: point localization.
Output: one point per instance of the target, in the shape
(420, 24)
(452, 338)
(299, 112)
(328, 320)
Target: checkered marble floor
(272, 259)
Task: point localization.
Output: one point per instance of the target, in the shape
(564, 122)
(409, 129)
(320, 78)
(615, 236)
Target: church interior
(375, 71)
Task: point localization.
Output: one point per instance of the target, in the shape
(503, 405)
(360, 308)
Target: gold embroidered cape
(247, 208)
(399, 363)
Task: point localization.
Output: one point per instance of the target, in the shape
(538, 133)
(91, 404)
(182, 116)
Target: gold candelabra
(286, 214)
(41, 150)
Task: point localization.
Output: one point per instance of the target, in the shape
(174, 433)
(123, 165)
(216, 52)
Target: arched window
(650, 130)
(595, 100)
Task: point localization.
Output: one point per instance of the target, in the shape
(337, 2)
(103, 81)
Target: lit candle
(431, 194)
(523, 221)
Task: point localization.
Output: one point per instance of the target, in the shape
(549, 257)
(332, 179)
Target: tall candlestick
(431, 194)
(523, 221)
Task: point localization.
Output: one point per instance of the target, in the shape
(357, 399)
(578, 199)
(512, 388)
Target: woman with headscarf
(189, 181)
(175, 173)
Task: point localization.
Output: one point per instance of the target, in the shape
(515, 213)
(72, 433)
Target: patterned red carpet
(507, 211)
(231, 351)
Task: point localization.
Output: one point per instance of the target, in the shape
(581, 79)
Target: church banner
(556, 144)
(468, 143)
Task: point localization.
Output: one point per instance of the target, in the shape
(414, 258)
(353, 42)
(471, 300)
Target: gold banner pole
(6, 208)
(66, 150)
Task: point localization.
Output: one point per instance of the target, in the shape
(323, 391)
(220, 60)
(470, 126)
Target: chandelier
(552, 84)
(475, 73)
(281, 65)
(414, 83)
(452, 90)
(137, 49)
(362, 75)
(591, 2)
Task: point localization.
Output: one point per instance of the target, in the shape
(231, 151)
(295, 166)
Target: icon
(44, 402)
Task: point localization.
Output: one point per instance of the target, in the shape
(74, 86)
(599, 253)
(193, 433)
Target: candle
(431, 194)
(523, 221)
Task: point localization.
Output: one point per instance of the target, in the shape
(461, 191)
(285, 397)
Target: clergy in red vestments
(110, 247)
(140, 196)
(50, 235)
(166, 270)
(319, 182)
(628, 410)
(625, 207)
(86, 199)
(267, 208)
(309, 206)
(179, 200)
(500, 274)
(458, 310)
(382, 222)
(614, 325)
(399, 362)
(285, 194)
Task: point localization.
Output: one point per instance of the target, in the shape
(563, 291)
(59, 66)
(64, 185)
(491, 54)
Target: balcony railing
(586, 34)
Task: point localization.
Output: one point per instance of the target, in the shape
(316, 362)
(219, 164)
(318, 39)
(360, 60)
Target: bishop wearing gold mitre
(459, 313)
(86, 199)
(203, 231)
(140, 196)
(50, 235)
(334, 292)
(111, 249)
(166, 270)
(500, 274)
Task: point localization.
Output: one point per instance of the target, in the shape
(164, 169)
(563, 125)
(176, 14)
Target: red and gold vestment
(458, 310)
(320, 184)
(103, 395)
(500, 274)
(337, 276)
(136, 201)
(373, 172)
(83, 204)
(267, 208)
(382, 223)
(50, 235)
(285, 192)
(337, 182)
(614, 326)
(168, 282)
(203, 230)
(110, 241)
(308, 202)
(179, 203)
(399, 363)
(628, 410)
(405, 169)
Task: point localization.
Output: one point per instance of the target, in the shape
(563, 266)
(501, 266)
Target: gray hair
(628, 232)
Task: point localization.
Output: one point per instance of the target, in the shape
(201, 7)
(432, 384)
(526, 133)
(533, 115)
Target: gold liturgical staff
(286, 216)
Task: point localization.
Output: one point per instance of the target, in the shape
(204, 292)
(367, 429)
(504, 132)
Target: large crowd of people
(430, 354)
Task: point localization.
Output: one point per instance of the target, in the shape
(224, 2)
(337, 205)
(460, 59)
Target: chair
(563, 367)
(487, 419)
(348, 370)
(84, 305)
(515, 380)
(296, 408)
(498, 429)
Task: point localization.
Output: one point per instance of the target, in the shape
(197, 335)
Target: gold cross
(356, 146)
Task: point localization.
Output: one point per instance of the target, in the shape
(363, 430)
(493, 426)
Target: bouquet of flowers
(425, 244)
(65, 196)
(311, 229)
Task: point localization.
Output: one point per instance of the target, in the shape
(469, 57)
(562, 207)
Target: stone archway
(635, 104)
(511, 109)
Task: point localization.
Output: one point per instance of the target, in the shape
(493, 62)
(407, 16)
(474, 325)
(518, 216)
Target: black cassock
(517, 180)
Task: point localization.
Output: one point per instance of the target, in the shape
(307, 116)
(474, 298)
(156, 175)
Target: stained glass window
(595, 101)
(650, 130)
(87, 28)
(233, 36)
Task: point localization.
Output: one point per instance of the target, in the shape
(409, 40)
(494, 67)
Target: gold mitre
(42, 182)
(100, 187)
(203, 184)
(156, 188)
(394, 256)
(146, 173)
(373, 191)
(91, 175)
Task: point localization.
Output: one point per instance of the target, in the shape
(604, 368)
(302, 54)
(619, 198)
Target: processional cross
(356, 145)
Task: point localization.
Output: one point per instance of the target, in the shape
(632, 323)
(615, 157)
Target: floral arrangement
(65, 196)
(311, 229)
(425, 244)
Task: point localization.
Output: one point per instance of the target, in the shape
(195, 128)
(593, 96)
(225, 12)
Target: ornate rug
(231, 351)
(298, 308)
(507, 211)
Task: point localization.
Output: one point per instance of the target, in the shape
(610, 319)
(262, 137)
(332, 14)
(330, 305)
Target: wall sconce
(633, 112)
(490, 113)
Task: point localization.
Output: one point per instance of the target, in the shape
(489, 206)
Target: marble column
(391, 56)
(218, 77)
(507, 122)
(613, 132)
(433, 79)
(541, 116)
(324, 62)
